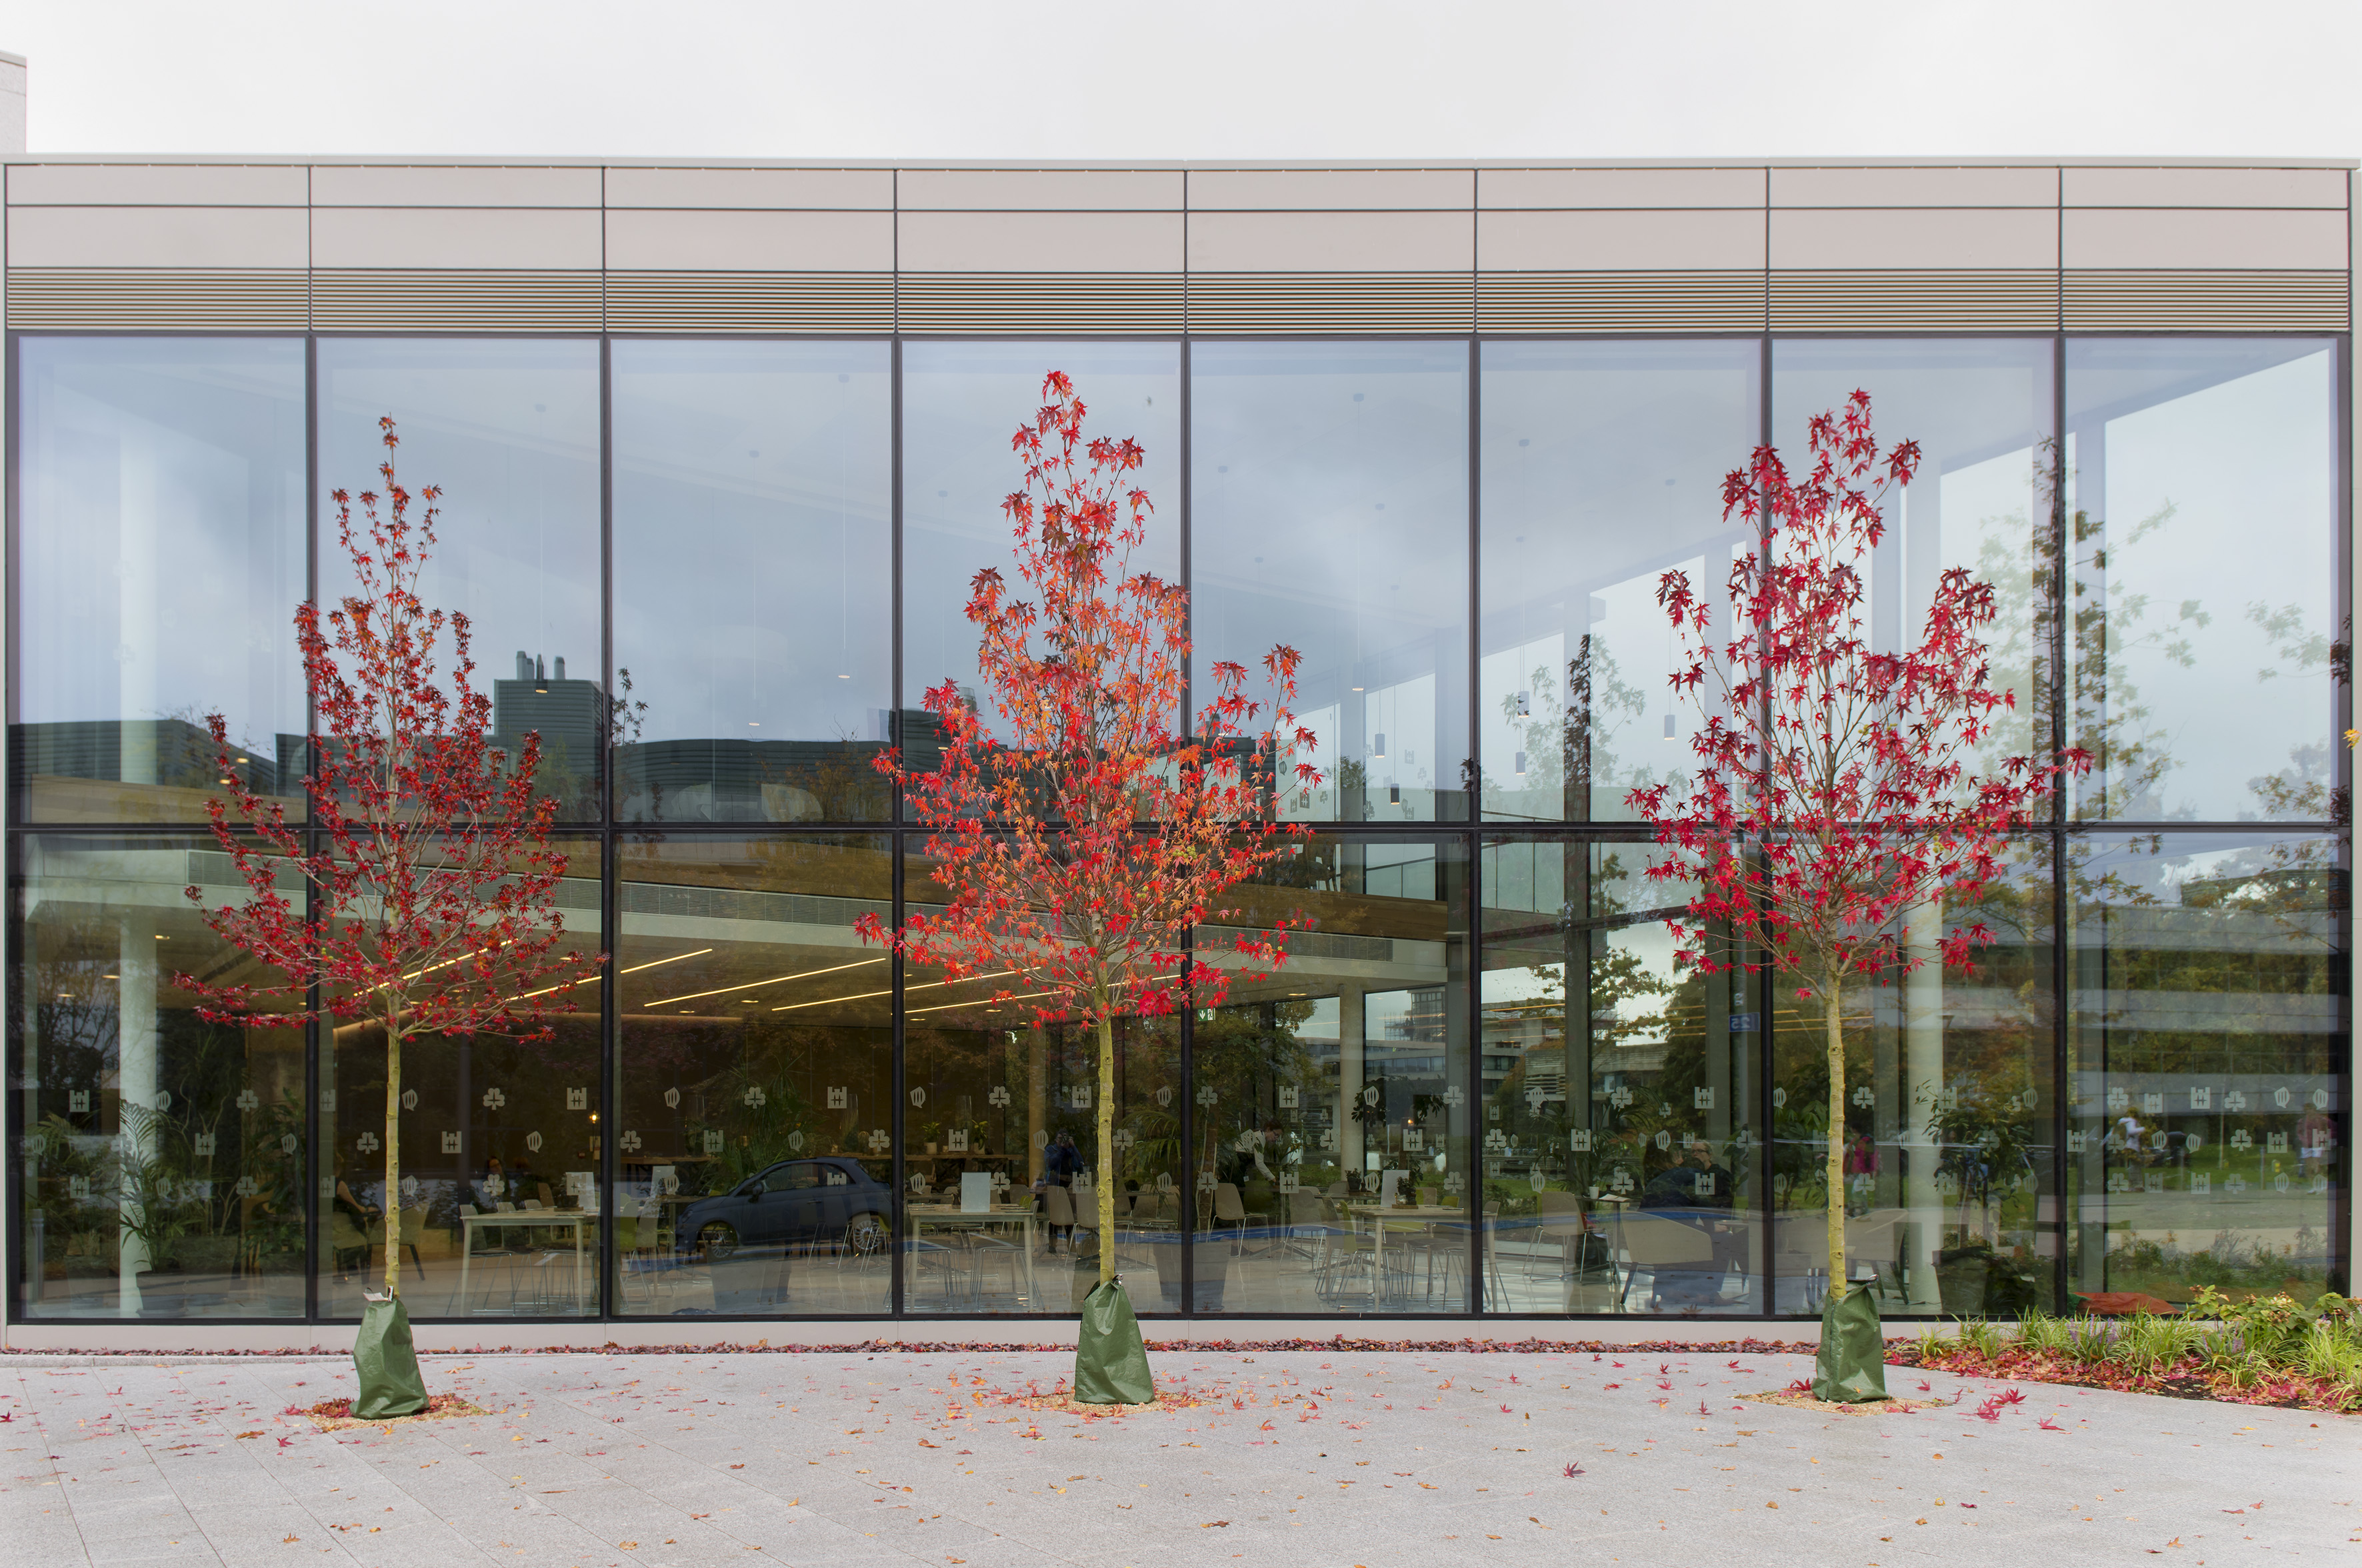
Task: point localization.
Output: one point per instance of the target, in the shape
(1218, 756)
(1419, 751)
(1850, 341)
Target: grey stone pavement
(1308, 1459)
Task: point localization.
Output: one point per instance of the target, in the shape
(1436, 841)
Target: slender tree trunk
(1832, 996)
(393, 1155)
(1106, 1194)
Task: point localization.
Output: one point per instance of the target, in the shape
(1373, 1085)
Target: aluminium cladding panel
(1042, 303)
(158, 185)
(1332, 242)
(1331, 190)
(1538, 302)
(430, 186)
(2236, 239)
(1978, 238)
(2199, 300)
(1837, 186)
(1914, 300)
(1619, 188)
(244, 238)
(1315, 304)
(1040, 190)
(845, 190)
(1620, 241)
(158, 298)
(522, 237)
(454, 300)
(750, 302)
(2163, 187)
(1084, 242)
(749, 240)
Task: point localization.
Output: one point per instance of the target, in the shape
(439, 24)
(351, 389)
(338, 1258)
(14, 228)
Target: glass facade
(718, 576)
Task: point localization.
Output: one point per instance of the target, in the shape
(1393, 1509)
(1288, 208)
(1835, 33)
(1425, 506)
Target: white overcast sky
(1285, 79)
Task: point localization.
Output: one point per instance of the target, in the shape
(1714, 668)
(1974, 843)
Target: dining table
(925, 1217)
(573, 1220)
(1379, 1219)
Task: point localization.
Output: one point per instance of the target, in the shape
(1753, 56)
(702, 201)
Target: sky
(1194, 79)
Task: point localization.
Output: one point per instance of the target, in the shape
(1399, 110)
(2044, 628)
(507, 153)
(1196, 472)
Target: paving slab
(1349, 1459)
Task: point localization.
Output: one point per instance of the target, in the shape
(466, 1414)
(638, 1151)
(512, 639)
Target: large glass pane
(1603, 467)
(159, 559)
(2209, 1053)
(2202, 495)
(1623, 1156)
(961, 403)
(753, 1157)
(498, 1214)
(1331, 1167)
(1949, 1111)
(1329, 511)
(509, 431)
(162, 1172)
(754, 580)
(1980, 410)
(1003, 1151)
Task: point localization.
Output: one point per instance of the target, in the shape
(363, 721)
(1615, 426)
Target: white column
(1922, 1080)
(138, 570)
(135, 1087)
(1349, 1078)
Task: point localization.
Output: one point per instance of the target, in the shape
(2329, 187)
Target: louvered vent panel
(1329, 302)
(122, 299)
(1915, 302)
(361, 301)
(1620, 302)
(1037, 301)
(750, 302)
(2207, 302)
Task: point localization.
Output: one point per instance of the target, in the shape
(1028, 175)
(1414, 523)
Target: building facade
(721, 448)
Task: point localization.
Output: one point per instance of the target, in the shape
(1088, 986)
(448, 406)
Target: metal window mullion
(610, 862)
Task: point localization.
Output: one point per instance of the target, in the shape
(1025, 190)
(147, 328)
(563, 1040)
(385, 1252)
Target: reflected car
(793, 1203)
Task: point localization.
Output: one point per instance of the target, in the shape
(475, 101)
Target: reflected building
(714, 496)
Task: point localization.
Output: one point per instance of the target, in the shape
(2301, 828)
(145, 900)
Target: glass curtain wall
(753, 544)
(1623, 1150)
(1329, 511)
(1948, 1185)
(159, 556)
(755, 1064)
(2140, 1089)
(1329, 1151)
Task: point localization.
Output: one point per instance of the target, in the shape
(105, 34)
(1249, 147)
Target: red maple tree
(431, 905)
(1833, 804)
(1081, 847)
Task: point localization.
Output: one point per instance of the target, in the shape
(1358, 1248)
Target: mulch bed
(2185, 1380)
(335, 1415)
(1872, 1408)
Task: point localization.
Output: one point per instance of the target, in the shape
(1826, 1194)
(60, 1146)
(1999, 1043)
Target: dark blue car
(795, 1203)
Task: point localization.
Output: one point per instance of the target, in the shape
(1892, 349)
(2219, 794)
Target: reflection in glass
(1330, 1167)
(961, 403)
(1329, 511)
(1603, 467)
(754, 1153)
(1003, 1149)
(162, 1163)
(510, 432)
(1980, 410)
(1622, 1125)
(1950, 1152)
(752, 579)
(499, 1210)
(2208, 1052)
(159, 559)
(2203, 483)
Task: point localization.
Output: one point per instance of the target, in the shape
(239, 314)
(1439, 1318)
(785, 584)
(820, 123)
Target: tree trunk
(1832, 996)
(394, 1157)
(1106, 1194)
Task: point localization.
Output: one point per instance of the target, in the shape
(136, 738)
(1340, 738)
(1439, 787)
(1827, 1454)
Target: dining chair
(1060, 1206)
